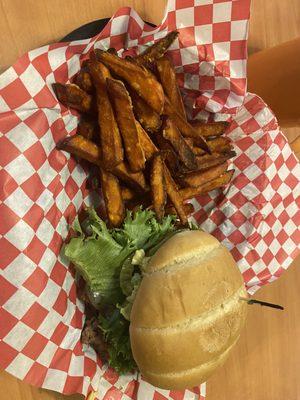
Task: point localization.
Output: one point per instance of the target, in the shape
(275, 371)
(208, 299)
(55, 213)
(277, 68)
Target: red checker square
(71, 187)
(55, 186)
(237, 85)
(33, 187)
(45, 97)
(207, 83)
(132, 389)
(238, 50)
(58, 130)
(253, 106)
(77, 320)
(56, 243)
(77, 350)
(245, 142)
(35, 346)
(236, 236)
(219, 234)
(73, 385)
(8, 151)
(37, 281)
(70, 212)
(7, 290)
(134, 29)
(15, 94)
(172, 20)
(8, 253)
(221, 32)
(90, 367)
(111, 376)
(281, 256)
(57, 159)
(279, 161)
(203, 15)
(159, 396)
(243, 179)
(222, 68)
(176, 395)
(288, 200)
(250, 126)
(73, 293)
(59, 333)
(60, 305)
(42, 65)
(292, 181)
(190, 69)
(187, 37)
(74, 49)
(8, 354)
(38, 123)
(22, 64)
(248, 274)
(268, 257)
(61, 360)
(8, 185)
(8, 121)
(279, 272)
(8, 219)
(240, 10)
(61, 74)
(34, 216)
(116, 41)
(7, 322)
(283, 218)
(36, 155)
(236, 254)
(184, 4)
(276, 182)
(35, 316)
(58, 273)
(35, 250)
(252, 256)
(114, 393)
(264, 275)
(36, 375)
(196, 390)
(292, 161)
(176, 56)
(268, 238)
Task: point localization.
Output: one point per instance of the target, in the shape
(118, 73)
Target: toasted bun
(187, 314)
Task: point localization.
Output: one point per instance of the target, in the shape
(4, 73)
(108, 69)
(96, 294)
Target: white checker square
(32, 80)
(20, 302)
(239, 30)
(238, 68)
(185, 17)
(119, 25)
(20, 235)
(284, 190)
(22, 136)
(49, 295)
(222, 83)
(48, 261)
(26, 108)
(203, 34)
(19, 202)
(46, 173)
(45, 232)
(55, 380)
(203, 2)
(76, 365)
(72, 337)
(102, 44)
(20, 169)
(37, 52)
(49, 324)
(207, 68)
(45, 201)
(62, 201)
(290, 226)
(288, 245)
(57, 57)
(222, 12)
(77, 200)
(20, 263)
(47, 354)
(62, 228)
(283, 173)
(189, 55)
(78, 174)
(9, 75)
(191, 81)
(73, 65)
(221, 51)
(3, 106)
(18, 336)
(20, 366)
(234, 100)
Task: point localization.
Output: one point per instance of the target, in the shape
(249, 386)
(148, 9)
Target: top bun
(187, 314)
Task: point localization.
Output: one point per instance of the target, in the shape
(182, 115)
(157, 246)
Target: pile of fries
(134, 128)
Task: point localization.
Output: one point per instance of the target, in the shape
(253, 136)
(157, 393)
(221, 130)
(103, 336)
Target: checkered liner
(42, 189)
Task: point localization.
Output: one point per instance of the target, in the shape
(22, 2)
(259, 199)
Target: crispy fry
(158, 186)
(216, 145)
(81, 147)
(222, 180)
(146, 143)
(185, 128)
(188, 209)
(175, 196)
(84, 79)
(168, 153)
(209, 129)
(88, 128)
(197, 178)
(110, 138)
(140, 79)
(190, 141)
(180, 146)
(211, 160)
(135, 180)
(149, 119)
(113, 51)
(127, 194)
(112, 197)
(157, 50)
(167, 77)
(126, 123)
(72, 96)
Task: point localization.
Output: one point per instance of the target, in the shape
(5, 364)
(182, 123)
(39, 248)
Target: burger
(161, 300)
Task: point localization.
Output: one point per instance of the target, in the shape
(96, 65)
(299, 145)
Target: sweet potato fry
(222, 180)
(188, 209)
(135, 180)
(174, 196)
(182, 149)
(127, 193)
(185, 128)
(157, 50)
(140, 79)
(158, 186)
(88, 128)
(216, 145)
(168, 154)
(72, 96)
(209, 129)
(110, 138)
(113, 51)
(167, 77)
(84, 79)
(81, 147)
(147, 145)
(149, 119)
(197, 178)
(211, 160)
(111, 191)
(126, 123)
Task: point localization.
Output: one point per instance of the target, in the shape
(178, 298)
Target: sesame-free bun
(187, 314)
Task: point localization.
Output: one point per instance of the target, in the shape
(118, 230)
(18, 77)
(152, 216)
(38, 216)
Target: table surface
(265, 364)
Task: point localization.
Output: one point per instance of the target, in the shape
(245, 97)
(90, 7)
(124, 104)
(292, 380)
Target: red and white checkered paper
(42, 189)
